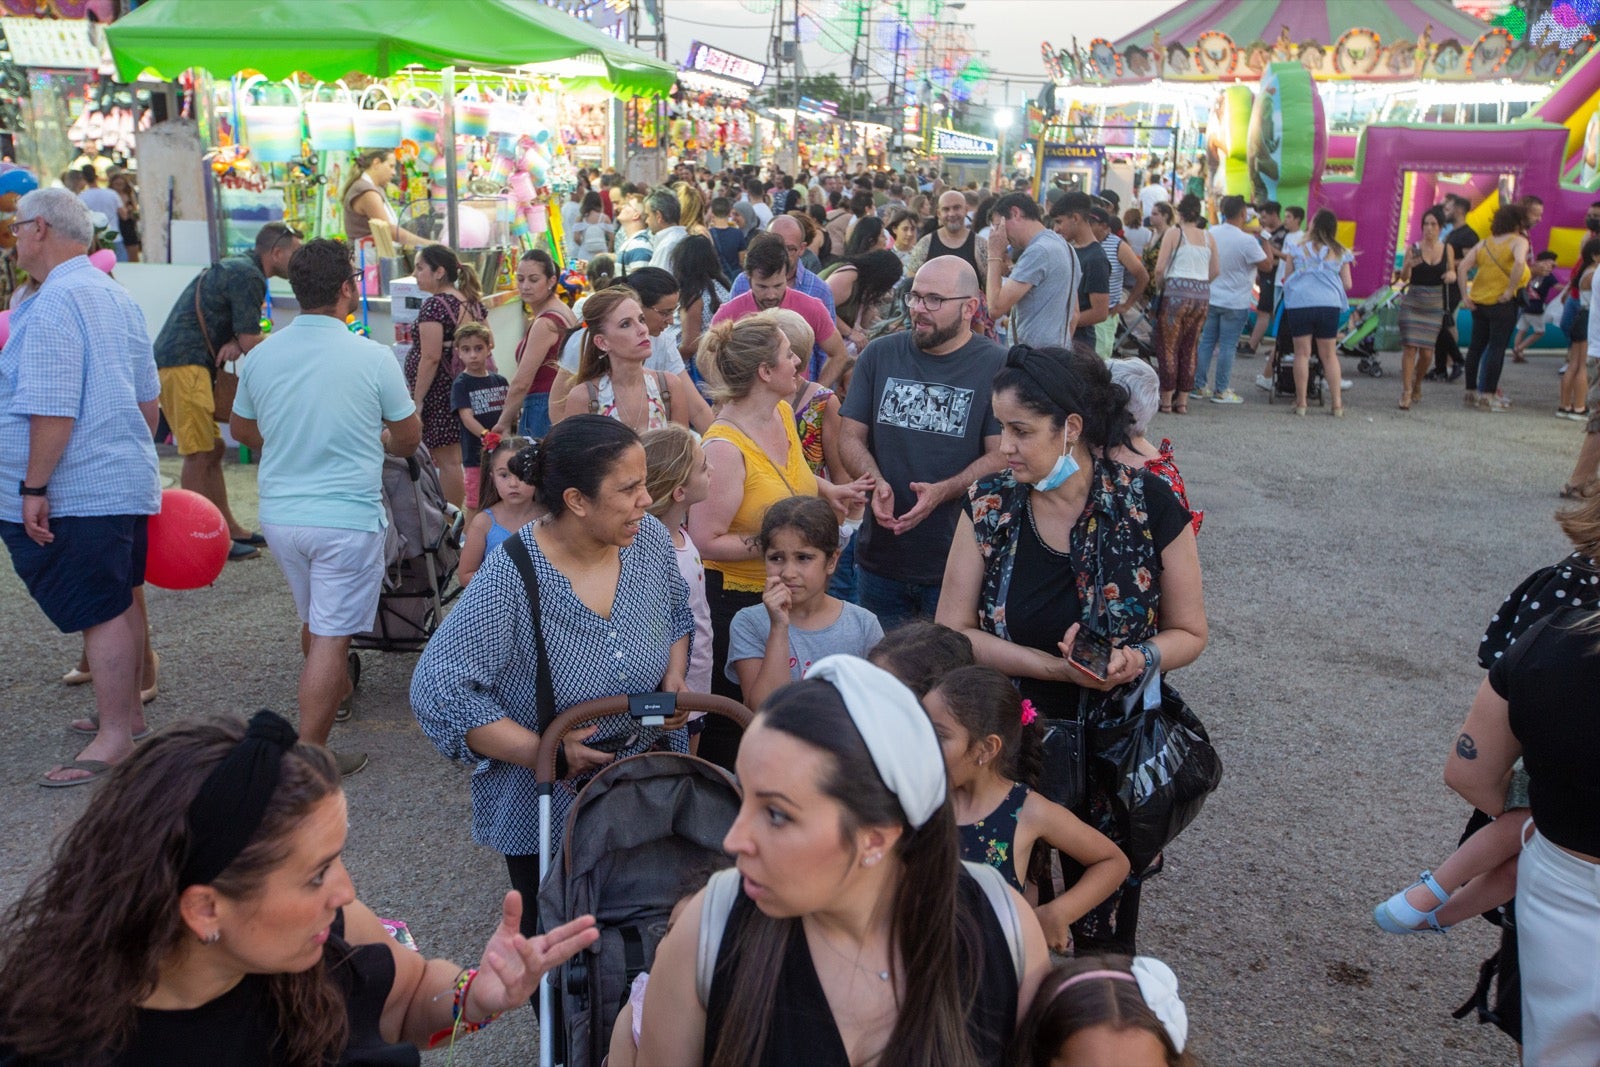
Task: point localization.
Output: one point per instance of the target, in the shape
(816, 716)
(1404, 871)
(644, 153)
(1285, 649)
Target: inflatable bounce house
(1373, 108)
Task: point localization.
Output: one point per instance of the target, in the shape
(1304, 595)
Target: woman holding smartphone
(1070, 572)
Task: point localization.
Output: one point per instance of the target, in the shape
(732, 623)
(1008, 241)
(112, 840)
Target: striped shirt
(1111, 245)
(79, 350)
(481, 666)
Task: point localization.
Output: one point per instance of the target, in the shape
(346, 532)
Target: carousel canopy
(1323, 21)
(331, 38)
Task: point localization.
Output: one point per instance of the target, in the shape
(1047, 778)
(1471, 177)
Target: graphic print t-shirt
(486, 396)
(854, 633)
(926, 418)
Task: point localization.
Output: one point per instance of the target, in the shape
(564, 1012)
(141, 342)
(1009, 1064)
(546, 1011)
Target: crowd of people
(778, 454)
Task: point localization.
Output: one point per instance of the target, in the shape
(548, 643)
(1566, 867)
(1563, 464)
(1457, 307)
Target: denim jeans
(843, 583)
(535, 421)
(895, 602)
(1220, 335)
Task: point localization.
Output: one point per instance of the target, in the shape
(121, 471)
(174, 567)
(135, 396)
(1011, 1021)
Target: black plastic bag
(1162, 768)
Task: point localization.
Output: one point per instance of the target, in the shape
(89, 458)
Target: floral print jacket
(1112, 551)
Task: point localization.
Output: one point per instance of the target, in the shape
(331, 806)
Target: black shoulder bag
(544, 687)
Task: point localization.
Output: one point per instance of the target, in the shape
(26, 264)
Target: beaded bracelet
(459, 1023)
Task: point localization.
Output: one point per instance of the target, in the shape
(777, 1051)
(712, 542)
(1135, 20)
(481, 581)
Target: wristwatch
(26, 490)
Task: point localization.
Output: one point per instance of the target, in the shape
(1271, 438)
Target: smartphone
(611, 745)
(1091, 653)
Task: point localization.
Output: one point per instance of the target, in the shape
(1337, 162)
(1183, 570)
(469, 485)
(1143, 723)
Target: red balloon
(189, 542)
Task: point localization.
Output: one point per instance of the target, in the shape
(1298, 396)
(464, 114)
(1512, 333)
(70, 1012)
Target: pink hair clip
(1029, 713)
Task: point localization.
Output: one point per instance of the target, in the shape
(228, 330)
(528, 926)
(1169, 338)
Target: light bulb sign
(707, 60)
(964, 145)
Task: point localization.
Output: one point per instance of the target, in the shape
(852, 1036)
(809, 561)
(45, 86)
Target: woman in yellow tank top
(756, 460)
(1498, 266)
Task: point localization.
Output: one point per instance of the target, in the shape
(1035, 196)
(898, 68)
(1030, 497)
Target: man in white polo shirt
(323, 405)
(1232, 294)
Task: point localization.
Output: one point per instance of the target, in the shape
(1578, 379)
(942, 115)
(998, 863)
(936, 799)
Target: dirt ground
(1350, 566)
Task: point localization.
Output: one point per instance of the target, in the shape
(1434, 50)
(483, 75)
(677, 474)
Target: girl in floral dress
(987, 733)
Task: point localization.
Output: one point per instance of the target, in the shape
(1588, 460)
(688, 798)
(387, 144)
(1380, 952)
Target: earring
(871, 859)
(212, 938)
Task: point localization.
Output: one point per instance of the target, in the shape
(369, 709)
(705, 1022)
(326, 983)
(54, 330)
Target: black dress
(803, 1033)
(240, 1028)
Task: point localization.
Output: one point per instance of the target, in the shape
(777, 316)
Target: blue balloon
(17, 181)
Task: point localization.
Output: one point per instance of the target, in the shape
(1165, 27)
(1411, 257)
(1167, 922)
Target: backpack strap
(715, 907)
(993, 884)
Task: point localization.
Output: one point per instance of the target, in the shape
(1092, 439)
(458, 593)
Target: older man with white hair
(1144, 400)
(78, 475)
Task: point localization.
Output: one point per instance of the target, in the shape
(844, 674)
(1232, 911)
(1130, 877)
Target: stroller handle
(579, 715)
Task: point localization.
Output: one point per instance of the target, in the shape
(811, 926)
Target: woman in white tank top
(1187, 264)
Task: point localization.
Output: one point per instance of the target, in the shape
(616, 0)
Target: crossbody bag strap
(200, 317)
(544, 687)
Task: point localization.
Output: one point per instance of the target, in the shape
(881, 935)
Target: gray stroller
(636, 833)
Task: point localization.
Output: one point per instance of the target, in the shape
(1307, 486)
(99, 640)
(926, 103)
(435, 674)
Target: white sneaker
(1227, 396)
(1263, 382)
(1345, 383)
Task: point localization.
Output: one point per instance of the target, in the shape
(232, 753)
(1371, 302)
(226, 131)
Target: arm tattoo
(1466, 748)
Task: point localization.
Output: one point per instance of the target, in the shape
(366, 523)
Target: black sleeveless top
(803, 1033)
(240, 1028)
(967, 250)
(1425, 274)
(992, 839)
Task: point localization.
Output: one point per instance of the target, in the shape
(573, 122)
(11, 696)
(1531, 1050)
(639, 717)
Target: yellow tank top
(1492, 279)
(764, 485)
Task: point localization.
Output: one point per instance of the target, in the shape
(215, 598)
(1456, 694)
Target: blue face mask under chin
(1065, 468)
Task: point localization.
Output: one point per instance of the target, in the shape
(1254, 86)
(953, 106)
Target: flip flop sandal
(97, 769)
(75, 728)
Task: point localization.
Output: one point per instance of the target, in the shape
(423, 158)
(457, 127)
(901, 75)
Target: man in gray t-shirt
(918, 419)
(1041, 291)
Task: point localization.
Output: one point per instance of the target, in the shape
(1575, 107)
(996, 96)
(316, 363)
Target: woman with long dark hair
(454, 297)
(200, 912)
(702, 289)
(851, 931)
(1066, 540)
(865, 236)
(859, 283)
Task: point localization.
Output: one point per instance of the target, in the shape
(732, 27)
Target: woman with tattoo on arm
(1482, 874)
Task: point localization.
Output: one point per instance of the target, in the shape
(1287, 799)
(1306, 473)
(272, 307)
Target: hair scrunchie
(227, 811)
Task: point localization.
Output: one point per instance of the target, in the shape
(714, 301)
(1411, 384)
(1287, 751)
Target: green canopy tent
(329, 39)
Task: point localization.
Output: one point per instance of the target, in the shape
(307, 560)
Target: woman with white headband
(854, 934)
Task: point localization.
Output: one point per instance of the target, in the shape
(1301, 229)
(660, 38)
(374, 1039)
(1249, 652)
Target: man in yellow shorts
(216, 320)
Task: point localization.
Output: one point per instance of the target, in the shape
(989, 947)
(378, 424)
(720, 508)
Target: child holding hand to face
(479, 396)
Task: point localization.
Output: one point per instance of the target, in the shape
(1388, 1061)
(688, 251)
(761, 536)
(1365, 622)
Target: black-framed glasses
(931, 301)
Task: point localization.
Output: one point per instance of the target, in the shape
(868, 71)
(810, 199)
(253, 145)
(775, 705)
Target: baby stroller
(1282, 373)
(637, 828)
(422, 546)
(1361, 328)
(1136, 336)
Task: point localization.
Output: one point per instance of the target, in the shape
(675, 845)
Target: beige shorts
(189, 405)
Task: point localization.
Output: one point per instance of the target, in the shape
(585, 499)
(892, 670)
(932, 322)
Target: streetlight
(1002, 122)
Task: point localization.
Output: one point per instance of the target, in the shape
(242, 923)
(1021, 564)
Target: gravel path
(1350, 567)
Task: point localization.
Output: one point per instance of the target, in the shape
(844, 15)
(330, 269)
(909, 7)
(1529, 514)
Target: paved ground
(1350, 566)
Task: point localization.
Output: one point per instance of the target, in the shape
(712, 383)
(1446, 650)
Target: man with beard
(918, 420)
(766, 276)
(953, 238)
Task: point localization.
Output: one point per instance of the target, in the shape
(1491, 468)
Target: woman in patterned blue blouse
(616, 619)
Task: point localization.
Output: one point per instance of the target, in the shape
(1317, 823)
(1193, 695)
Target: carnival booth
(710, 119)
(965, 157)
(488, 119)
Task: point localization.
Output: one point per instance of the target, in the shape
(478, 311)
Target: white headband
(1158, 987)
(898, 733)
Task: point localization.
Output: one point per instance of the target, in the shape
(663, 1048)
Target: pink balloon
(105, 259)
(5, 327)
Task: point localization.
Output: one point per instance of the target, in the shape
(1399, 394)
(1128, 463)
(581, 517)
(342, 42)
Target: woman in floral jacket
(1065, 539)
